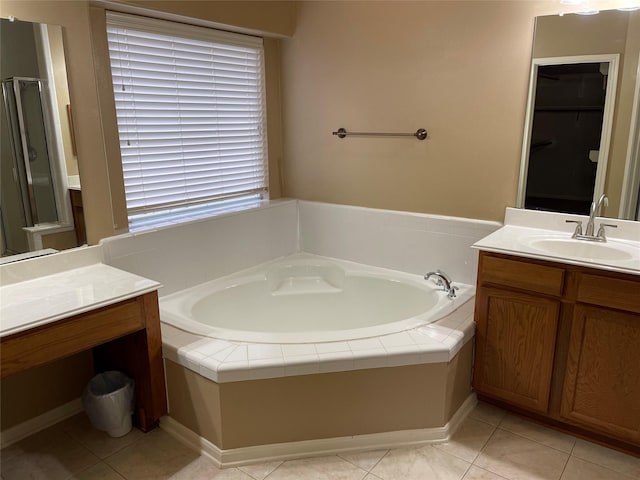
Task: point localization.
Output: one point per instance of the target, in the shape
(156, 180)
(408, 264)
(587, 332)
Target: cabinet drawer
(609, 292)
(60, 339)
(525, 275)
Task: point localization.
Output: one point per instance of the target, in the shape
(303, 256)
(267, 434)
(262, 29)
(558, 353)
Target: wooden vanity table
(117, 316)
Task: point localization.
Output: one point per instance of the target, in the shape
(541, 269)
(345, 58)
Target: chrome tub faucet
(442, 280)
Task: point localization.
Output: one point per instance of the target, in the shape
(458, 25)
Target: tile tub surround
(184, 255)
(302, 415)
(225, 361)
(181, 256)
(405, 241)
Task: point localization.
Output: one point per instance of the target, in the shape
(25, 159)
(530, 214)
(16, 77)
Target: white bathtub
(309, 299)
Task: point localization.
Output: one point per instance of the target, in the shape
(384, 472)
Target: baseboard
(34, 425)
(310, 448)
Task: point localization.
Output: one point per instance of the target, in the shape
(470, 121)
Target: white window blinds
(191, 115)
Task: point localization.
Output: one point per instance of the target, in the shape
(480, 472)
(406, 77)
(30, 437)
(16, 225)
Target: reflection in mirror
(580, 140)
(569, 134)
(38, 166)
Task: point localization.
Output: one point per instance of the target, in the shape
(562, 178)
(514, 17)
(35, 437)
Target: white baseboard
(34, 425)
(310, 448)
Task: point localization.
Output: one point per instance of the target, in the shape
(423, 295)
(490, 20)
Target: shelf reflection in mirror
(38, 162)
(562, 41)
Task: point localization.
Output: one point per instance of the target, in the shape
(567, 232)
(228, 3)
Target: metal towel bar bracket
(420, 134)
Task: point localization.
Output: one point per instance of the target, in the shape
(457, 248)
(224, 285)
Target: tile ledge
(431, 351)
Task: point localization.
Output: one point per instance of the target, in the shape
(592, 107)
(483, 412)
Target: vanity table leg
(139, 355)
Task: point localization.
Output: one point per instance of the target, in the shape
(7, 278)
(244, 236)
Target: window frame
(140, 218)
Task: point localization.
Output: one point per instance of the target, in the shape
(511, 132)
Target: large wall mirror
(40, 184)
(581, 135)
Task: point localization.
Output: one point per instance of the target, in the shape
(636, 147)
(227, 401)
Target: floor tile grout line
(495, 429)
(603, 466)
(493, 473)
(535, 441)
(564, 467)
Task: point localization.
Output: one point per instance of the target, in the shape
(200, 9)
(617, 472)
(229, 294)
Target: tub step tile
(365, 344)
(332, 347)
(233, 372)
(374, 358)
(403, 355)
(296, 349)
(301, 365)
(266, 368)
(262, 351)
(399, 339)
(336, 362)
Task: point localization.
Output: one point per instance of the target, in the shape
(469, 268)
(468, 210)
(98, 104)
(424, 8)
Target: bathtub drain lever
(442, 280)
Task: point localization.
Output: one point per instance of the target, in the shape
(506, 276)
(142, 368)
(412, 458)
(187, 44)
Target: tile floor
(490, 445)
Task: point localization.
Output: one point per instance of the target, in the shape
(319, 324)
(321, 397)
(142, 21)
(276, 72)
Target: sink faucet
(595, 208)
(591, 223)
(442, 280)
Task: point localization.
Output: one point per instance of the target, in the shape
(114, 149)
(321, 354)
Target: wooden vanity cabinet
(515, 347)
(560, 343)
(601, 388)
(517, 312)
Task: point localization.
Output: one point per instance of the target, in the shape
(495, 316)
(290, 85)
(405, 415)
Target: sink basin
(582, 249)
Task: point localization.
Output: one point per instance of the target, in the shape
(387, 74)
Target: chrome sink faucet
(442, 280)
(595, 208)
(591, 223)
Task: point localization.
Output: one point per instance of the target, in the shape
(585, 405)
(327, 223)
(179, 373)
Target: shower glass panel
(32, 167)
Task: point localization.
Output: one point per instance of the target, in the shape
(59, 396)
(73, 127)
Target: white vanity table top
(46, 299)
(523, 228)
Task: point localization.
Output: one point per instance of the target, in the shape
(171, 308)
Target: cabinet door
(515, 343)
(602, 382)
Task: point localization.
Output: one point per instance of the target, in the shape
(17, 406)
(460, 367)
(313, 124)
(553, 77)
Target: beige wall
(36, 391)
(458, 69)
(264, 17)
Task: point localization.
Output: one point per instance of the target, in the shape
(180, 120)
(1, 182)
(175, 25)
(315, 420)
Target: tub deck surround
(224, 361)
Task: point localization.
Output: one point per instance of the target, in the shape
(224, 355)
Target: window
(191, 118)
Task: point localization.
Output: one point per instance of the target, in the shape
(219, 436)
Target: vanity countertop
(46, 299)
(550, 239)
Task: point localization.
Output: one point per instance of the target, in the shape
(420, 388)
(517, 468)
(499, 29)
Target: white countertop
(46, 299)
(523, 229)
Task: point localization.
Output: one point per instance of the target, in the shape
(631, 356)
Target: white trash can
(108, 400)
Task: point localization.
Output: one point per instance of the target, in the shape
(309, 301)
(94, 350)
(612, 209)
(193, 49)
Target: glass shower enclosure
(32, 172)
